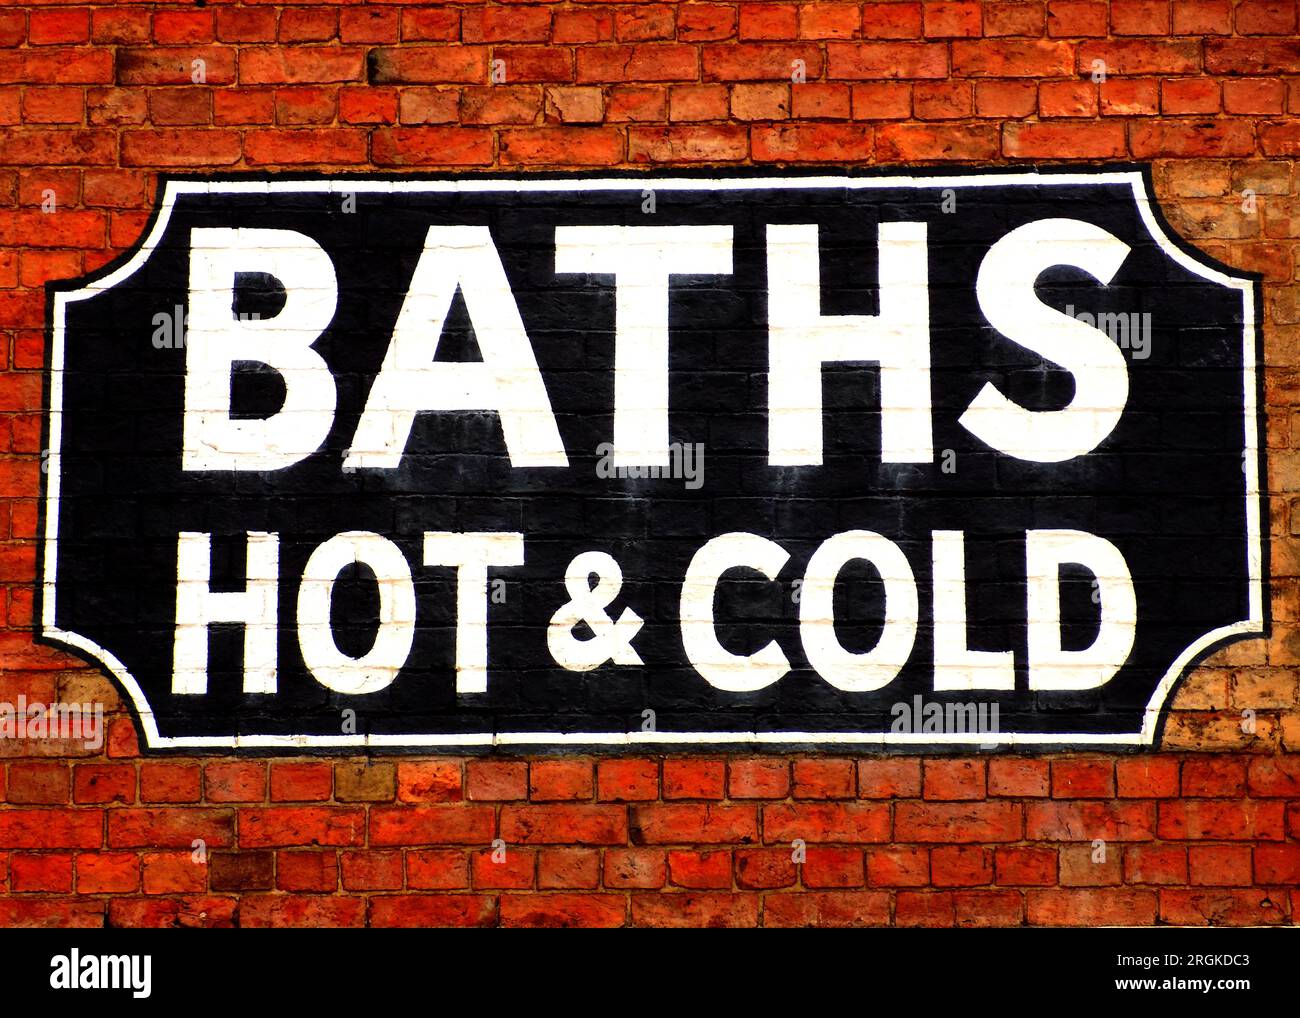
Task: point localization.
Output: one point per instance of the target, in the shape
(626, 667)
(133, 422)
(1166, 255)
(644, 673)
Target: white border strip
(1254, 623)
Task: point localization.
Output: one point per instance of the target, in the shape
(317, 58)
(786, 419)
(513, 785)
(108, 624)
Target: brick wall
(96, 100)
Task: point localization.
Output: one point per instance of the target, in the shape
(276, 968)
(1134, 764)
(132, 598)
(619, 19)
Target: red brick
(1075, 18)
(429, 24)
(1016, 18)
(889, 779)
(815, 101)
(428, 780)
(698, 102)
(1131, 57)
(873, 60)
(646, 22)
(1155, 864)
(767, 101)
(1189, 96)
(1211, 777)
(246, 24)
(765, 868)
(1005, 99)
(102, 783)
(437, 869)
(699, 870)
(563, 825)
(833, 867)
(174, 872)
(570, 26)
(1252, 56)
(1220, 865)
(559, 780)
(1274, 864)
(695, 911)
(1091, 907)
(560, 868)
(722, 143)
(234, 781)
(813, 822)
(826, 909)
(821, 778)
(704, 23)
(694, 779)
(108, 873)
(693, 823)
(961, 866)
(1025, 866)
(957, 822)
(768, 20)
(51, 914)
(562, 146)
(1154, 777)
(323, 146)
(1266, 17)
(1202, 17)
(954, 779)
(829, 20)
(180, 148)
(563, 910)
(1275, 777)
(496, 780)
(932, 909)
(920, 142)
(371, 871)
(758, 778)
(627, 780)
(1018, 778)
(44, 871)
(635, 867)
(1226, 820)
(533, 63)
(642, 62)
(1083, 779)
(38, 783)
(891, 20)
(368, 25)
(418, 65)
(1139, 17)
(1038, 141)
(762, 62)
(439, 910)
(432, 825)
(1253, 96)
(1189, 907)
(1067, 99)
(301, 782)
(946, 19)
(946, 100)
(260, 911)
(45, 28)
(988, 908)
(277, 826)
(307, 871)
(307, 25)
(509, 868)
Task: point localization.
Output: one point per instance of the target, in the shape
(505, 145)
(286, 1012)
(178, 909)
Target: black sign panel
(828, 460)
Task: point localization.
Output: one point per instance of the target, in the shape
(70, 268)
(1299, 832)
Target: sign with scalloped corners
(875, 462)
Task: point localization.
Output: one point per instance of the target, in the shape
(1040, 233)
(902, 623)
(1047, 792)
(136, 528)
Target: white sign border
(1255, 623)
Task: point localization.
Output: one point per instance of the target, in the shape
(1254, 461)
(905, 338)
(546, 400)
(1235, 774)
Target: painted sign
(869, 461)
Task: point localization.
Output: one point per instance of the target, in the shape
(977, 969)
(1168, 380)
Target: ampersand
(612, 640)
